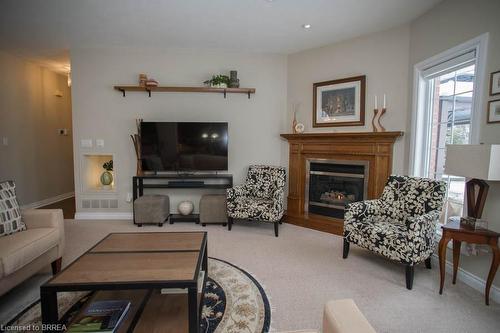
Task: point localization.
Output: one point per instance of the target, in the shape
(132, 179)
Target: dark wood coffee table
(135, 266)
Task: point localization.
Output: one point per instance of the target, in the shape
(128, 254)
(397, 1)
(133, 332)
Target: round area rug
(233, 302)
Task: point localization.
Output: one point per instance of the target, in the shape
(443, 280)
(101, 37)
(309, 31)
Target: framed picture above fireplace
(339, 102)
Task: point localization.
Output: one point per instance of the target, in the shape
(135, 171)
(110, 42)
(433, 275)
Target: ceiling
(46, 30)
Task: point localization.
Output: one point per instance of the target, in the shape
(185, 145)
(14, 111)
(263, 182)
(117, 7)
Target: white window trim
(419, 116)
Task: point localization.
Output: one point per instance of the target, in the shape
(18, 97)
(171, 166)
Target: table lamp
(478, 163)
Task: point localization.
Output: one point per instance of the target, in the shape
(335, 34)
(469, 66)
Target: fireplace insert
(332, 184)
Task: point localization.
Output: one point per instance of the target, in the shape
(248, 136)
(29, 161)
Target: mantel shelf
(224, 91)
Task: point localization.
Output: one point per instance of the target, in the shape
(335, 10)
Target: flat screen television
(184, 146)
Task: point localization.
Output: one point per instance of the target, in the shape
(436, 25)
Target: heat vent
(102, 203)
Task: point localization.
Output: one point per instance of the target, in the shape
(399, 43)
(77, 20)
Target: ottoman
(151, 209)
(213, 209)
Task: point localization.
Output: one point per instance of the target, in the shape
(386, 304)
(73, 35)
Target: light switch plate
(86, 143)
(5, 141)
(99, 143)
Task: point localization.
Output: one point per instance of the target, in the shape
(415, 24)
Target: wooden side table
(458, 233)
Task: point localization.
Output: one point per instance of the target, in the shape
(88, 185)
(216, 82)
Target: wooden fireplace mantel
(374, 147)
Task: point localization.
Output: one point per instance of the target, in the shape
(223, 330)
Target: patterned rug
(233, 302)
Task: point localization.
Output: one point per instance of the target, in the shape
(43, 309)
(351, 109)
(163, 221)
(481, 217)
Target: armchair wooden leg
(56, 266)
(428, 263)
(229, 223)
(276, 226)
(346, 249)
(409, 276)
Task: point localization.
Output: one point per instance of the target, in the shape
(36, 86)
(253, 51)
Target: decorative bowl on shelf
(185, 207)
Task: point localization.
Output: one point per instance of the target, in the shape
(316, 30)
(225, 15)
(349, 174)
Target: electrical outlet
(99, 143)
(129, 197)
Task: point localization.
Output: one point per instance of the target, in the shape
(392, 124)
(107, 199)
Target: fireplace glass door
(332, 185)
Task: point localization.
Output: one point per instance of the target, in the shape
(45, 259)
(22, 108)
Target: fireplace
(332, 184)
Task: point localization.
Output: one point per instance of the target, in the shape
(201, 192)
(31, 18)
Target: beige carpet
(302, 269)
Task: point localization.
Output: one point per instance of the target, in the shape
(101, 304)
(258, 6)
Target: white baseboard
(48, 201)
(103, 216)
(470, 279)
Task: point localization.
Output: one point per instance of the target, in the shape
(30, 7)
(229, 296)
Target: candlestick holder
(377, 114)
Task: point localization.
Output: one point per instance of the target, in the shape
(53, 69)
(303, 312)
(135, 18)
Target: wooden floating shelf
(224, 91)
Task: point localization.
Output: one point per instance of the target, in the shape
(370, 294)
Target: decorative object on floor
(151, 209)
(456, 231)
(233, 301)
(260, 198)
(485, 167)
(142, 80)
(401, 224)
(107, 176)
(185, 207)
(136, 139)
(218, 81)
(377, 114)
(339, 102)
(494, 111)
(234, 82)
(495, 83)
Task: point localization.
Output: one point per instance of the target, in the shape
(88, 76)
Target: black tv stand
(179, 181)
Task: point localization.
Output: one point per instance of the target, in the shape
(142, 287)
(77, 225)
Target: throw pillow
(10, 213)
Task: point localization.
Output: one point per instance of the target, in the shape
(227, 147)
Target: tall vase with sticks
(136, 139)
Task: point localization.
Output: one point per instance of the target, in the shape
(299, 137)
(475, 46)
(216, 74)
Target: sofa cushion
(19, 249)
(10, 214)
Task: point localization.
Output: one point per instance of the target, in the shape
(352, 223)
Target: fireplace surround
(372, 150)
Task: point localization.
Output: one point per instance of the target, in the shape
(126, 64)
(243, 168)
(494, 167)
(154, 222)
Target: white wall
(99, 112)
(382, 57)
(451, 23)
(38, 159)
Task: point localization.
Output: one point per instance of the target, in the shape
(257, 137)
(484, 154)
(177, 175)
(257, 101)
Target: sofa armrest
(43, 218)
(46, 218)
(343, 316)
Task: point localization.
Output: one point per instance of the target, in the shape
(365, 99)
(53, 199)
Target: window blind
(450, 65)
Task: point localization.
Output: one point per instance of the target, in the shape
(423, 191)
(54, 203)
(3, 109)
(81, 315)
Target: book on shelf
(170, 291)
(101, 317)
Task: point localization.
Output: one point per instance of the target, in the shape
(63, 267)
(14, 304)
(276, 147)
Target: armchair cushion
(10, 213)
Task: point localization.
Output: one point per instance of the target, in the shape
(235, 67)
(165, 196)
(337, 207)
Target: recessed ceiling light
(306, 26)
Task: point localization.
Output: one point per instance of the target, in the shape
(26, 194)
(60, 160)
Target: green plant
(108, 166)
(218, 79)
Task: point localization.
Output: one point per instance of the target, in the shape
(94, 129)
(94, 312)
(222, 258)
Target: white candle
(375, 101)
(384, 101)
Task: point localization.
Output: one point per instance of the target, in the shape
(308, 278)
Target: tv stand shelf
(173, 181)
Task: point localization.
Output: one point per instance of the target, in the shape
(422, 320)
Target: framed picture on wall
(495, 83)
(339, 102)
(494, 111)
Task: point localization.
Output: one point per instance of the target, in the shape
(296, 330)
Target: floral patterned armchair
(260, 198)
(401, 224)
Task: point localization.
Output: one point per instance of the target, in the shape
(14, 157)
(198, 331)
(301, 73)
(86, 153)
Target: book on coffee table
(170, 291)
(101, 317)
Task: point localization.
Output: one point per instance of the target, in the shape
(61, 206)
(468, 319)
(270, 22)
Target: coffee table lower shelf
(150, 311)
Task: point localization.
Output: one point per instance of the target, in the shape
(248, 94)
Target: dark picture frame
(492, 119)
(495, 83)
(339, 102)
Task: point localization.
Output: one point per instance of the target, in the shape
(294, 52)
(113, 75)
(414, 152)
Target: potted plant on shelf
(218, 81)
(107, 176)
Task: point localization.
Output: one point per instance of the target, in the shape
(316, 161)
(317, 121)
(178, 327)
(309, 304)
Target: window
(447, 91)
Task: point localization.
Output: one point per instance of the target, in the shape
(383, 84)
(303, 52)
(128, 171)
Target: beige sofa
(342, 316)
(25, 253)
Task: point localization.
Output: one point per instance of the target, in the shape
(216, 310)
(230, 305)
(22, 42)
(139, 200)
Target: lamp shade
(473, 161)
